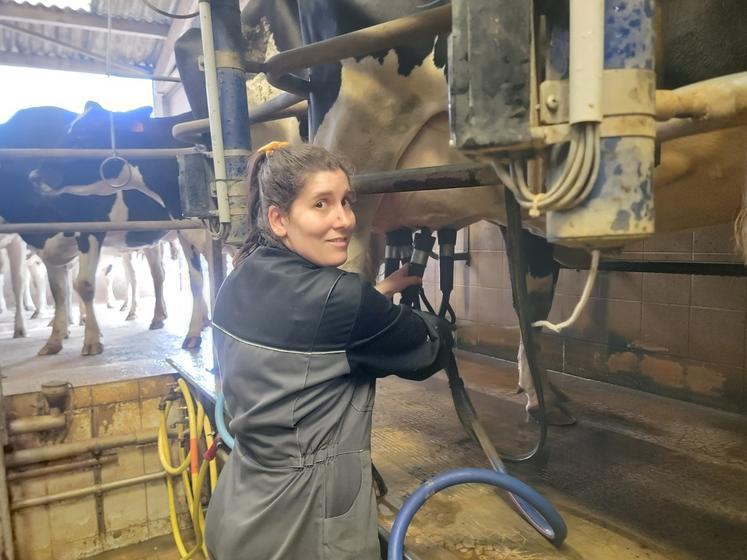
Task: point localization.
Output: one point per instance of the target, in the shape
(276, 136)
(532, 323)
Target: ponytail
(254, 208)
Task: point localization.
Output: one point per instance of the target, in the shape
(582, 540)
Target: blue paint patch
(642, 208)
(621, 222)
(628, 35)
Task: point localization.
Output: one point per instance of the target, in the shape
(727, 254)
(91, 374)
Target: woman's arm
(397, 281)
(391, 339)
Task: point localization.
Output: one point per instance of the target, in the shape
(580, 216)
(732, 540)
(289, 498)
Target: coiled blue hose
(463, 476)
(220, 422)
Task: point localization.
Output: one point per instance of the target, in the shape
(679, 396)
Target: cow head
(92, 129)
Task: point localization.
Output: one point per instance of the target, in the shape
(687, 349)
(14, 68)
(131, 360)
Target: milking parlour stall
(567, 177)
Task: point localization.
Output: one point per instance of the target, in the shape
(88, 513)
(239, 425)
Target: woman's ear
(278, 222)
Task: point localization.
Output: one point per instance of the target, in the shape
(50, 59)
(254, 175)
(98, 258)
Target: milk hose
(470, 475)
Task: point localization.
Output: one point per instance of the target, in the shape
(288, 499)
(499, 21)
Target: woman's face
(320, 221)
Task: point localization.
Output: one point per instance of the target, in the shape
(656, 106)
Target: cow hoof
(50, 348)
(124, 307)
(555, 414)
(110, 306)
(82, 322)
(131, 316)
(192, 343)
(156, 324)
(28, 307)
(35, 314)
(19, 333)
(92, 349)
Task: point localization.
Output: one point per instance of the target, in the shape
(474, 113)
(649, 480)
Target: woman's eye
(319, 204)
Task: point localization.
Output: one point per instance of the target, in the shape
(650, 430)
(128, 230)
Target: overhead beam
(71, 65)
(28, 13)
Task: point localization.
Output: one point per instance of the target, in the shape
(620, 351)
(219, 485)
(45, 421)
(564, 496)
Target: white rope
(581, 303)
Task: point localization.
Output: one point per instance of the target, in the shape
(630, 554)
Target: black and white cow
(73, 183)
(388, 110)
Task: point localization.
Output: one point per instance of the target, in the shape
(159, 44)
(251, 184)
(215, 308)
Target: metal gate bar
(357, 43)
(73, 227)
(82, 153)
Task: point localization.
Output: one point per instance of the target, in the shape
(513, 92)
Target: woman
(300, 344)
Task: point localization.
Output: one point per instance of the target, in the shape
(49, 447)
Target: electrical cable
(169, 14)
(571, 186)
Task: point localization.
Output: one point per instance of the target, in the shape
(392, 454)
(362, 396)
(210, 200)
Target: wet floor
(639, 477)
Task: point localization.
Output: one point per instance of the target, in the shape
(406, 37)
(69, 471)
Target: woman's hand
(397, 281)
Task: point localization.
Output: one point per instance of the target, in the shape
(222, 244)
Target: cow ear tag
(137, 126)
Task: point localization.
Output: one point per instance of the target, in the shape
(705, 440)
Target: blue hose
(220, 422)
(462, 476)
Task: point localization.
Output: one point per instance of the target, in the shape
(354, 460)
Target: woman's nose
(345, 217)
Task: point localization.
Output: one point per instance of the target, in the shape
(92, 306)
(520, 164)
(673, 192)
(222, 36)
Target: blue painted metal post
(620, 206)
(233, 106)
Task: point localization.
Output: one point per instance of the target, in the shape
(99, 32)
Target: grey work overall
(300, 348)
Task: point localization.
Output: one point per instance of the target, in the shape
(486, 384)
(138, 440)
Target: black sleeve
(392, 339)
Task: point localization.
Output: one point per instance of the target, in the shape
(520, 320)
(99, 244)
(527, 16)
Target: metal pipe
(279, 107)
(712, 105)
(81, 227)
(424, 179)
(357, 43)
(44, 471)
(82, 153)
(7, 548)
(64, 450)
(668, 267)
(40, 423)
(87, 491)
(216, 130)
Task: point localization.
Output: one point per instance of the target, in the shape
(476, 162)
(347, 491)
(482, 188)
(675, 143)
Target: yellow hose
(163, 455)
(198, 422)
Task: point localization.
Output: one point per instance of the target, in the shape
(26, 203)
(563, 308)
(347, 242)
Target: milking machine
(558, 97)
(530, 504)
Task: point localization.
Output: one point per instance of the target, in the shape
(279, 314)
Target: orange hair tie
(270, 147)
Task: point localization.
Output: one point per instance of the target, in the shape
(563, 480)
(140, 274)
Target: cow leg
(18, 278)
(541, 278)
(131, 279)
(38, 287)
(193, 246)
(111, 301)
(3, 267)
(85, 285)
(28, 301)
(154, 255)
(59, 285)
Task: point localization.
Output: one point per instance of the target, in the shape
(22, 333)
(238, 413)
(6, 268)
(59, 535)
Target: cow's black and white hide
(151, 193)
(23, 200)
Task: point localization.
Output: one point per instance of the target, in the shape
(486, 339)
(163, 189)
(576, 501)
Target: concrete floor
(639, 477)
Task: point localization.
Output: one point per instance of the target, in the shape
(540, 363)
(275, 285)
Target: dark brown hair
(276, 179)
